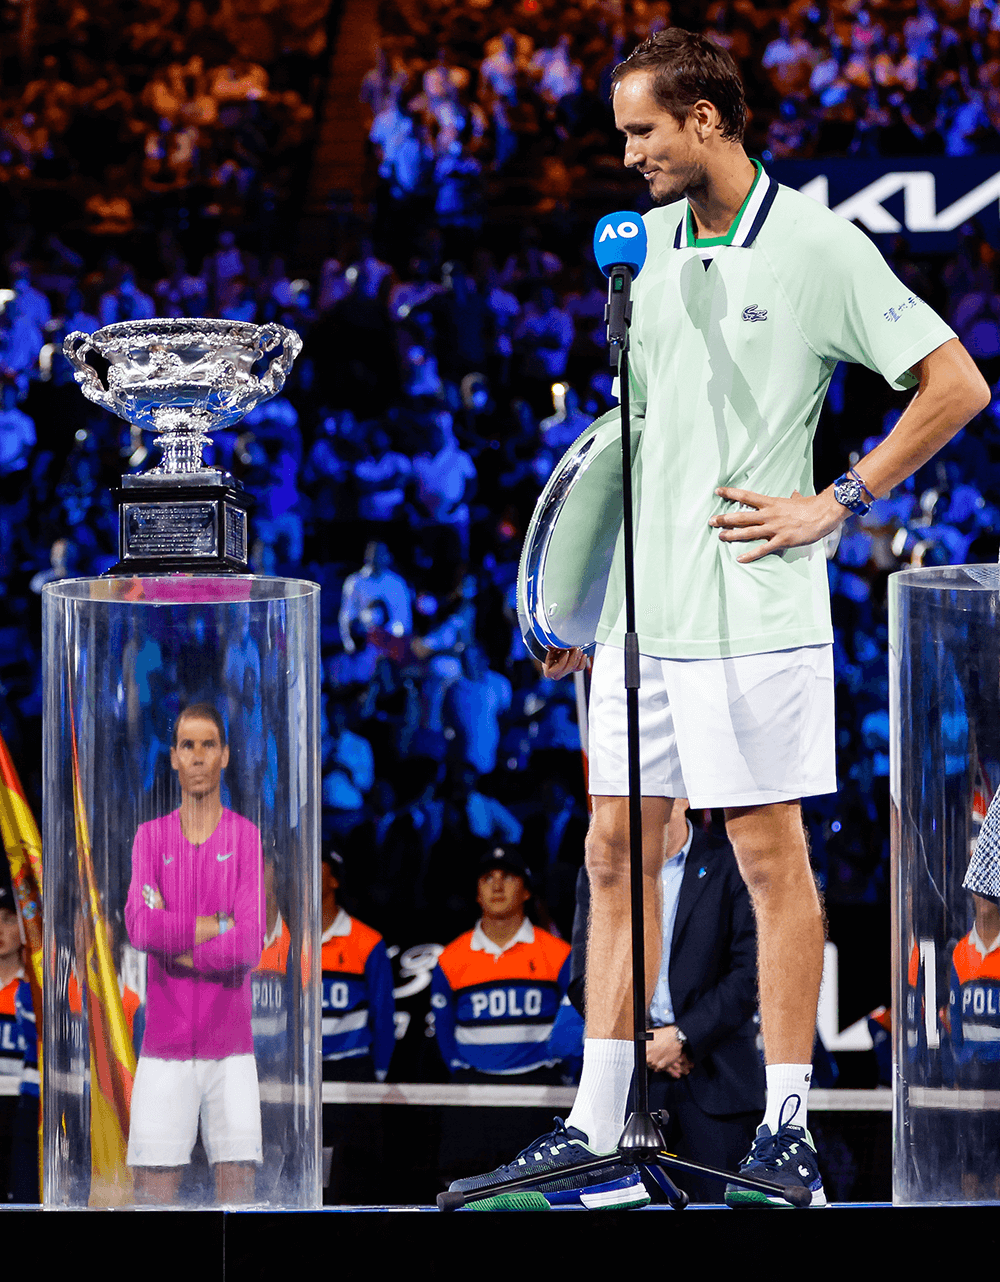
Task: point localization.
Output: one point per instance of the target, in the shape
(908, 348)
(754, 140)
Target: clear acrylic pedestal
(181, 858)
(944, 676)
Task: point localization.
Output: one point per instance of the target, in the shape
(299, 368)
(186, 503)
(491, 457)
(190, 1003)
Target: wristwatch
(681, 1037)
(849, 491)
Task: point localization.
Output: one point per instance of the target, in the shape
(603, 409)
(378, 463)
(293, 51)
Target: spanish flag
(112, 1056)
(23, 847)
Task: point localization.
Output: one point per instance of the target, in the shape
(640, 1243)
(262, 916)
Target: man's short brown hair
(207, 712)
(686, 69)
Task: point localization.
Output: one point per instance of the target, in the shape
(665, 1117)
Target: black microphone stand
(642, 1140)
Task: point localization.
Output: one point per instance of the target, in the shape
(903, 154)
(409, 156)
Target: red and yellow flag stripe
(112, 1055)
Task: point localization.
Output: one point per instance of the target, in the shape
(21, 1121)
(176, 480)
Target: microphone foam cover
(620, 241)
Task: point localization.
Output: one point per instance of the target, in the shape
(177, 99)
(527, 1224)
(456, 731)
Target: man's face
(663, 151)
(199, 757)
(502, 894)
(329, 885)
(10, 935)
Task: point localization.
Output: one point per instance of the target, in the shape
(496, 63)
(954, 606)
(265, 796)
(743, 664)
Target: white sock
(599, 1110)
(787, 1095)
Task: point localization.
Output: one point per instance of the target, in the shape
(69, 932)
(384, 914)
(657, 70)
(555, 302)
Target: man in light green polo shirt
(750, 295)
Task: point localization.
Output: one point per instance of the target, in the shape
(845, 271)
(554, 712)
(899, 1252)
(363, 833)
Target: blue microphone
(620, 241)
(620, 250)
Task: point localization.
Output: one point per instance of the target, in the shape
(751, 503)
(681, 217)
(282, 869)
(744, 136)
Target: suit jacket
(713, 976)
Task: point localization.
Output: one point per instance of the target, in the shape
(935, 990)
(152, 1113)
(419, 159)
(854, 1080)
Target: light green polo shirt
(729, 368)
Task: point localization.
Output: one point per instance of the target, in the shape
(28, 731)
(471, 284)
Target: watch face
(848, 492)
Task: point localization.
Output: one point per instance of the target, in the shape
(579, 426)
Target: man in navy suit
(705, 1068)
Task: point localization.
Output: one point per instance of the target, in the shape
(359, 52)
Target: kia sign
(924, 199)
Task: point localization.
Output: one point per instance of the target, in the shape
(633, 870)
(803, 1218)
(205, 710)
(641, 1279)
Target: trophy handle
(75, 349)
(270, 337)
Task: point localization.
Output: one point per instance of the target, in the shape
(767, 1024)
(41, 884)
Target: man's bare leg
(609, 944)
(234, 1183)
(773, 857)
(156, 1185)
(599, 1110)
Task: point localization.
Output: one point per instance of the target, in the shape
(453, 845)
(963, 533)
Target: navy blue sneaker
(615, 1186)
(788, 1157)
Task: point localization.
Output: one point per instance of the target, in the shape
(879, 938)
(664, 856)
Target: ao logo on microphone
(620, 241)
(626, 229)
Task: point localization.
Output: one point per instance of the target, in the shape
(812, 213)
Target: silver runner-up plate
(570, 543)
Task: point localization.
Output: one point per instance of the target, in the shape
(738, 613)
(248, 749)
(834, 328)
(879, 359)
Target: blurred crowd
(453, 350)
(884, 80)
(119, 119)
(477, 106)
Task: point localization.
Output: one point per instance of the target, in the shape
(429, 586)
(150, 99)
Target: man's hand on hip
(784, 523)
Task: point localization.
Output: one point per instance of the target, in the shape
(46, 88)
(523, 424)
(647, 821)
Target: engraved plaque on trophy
(182, 379)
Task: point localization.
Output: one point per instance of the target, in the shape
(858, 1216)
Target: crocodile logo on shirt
(754, 313)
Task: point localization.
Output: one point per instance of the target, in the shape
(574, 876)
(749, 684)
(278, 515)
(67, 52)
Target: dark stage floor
(248, 1245)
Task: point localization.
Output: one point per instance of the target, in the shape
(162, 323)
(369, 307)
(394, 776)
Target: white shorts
(746, 731)
(168, 1097)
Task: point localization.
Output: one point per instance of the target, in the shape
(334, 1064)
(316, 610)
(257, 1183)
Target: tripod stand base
(794, 1195)
(641, 1139)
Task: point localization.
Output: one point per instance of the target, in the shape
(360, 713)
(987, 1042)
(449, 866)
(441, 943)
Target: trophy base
(182, 525)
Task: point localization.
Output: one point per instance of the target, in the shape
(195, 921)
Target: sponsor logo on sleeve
(895, 313)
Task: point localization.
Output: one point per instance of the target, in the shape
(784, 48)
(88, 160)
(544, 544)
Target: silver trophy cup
(183, 379)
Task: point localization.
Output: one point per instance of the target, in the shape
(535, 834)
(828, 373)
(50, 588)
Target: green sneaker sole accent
(621, 1206)
(754, 1198)
(528, 1201)
(616, 1199)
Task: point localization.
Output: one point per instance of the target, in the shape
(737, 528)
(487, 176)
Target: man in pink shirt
(196, 907)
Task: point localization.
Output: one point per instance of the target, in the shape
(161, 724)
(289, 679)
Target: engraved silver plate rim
(549, 506)
(565, 477)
